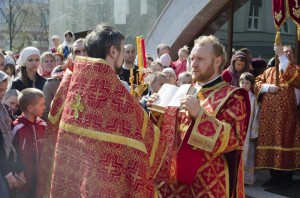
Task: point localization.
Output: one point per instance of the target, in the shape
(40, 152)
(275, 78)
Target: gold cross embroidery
(97, 94)
(77, 106)
(109, 167)
(209, 175)
(124, 99)
(207, 130)
(218, 191)
(135, 176)
(218, 164)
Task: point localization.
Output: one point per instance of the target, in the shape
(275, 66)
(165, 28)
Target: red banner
(279, 13)
(294, 11)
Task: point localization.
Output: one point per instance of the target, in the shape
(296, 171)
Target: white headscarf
(170, 70)
(165, 60)
(8, 60)
(26, 52)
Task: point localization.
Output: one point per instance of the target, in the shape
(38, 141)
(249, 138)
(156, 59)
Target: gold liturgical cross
(77, 106)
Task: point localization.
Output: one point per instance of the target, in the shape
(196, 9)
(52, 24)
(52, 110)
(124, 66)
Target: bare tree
(15, 13)
(41, 15)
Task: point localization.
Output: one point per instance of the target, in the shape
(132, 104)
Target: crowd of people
(69, 126)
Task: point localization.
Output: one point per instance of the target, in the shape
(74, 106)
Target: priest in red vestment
(207, 160)
(106, 145)
(278, 146)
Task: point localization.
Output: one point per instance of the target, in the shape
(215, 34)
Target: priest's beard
(205, 75)
(118, 66)
(118, 69)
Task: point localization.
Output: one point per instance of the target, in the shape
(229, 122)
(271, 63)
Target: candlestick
(143, 52)
(131, 81)
(140, 63)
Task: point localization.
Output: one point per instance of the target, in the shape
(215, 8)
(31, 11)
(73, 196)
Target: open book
(170, 95)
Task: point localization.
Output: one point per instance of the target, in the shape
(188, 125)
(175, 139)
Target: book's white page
(165, 93)
(182, 91)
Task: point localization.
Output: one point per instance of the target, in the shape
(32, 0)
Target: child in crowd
(171, 76)
(29, 61)
(59, 58)
(184, 78)
(156, 66)
(159, 79)
(239, 64)
(48, 62)
(149, 59)
(28, 131)
(247, 82)
(11, 100)
(181, 63)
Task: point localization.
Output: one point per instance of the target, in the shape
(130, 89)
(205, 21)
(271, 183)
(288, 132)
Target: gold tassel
(278, 39)
(298, 32)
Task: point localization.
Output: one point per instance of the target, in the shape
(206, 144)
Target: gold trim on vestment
(201, 141)
(155, 145)
(277, 148)
(226, 135)
(55, 118)
(161, 162)
(293, 78)
(94, 60)
(145, 124)
(216, 111)
(160, 120)
(226, 176)
(107, 137)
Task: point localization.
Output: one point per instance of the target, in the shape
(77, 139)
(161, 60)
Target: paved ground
(257, 191)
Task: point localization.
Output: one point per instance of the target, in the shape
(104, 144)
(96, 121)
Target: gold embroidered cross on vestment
(77, 106)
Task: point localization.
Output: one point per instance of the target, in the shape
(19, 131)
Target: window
(285, 27)
(253, 20)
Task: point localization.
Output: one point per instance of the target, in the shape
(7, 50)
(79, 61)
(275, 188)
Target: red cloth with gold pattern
(208, 161)
(278, 145)
(106, 145)
(46, 161)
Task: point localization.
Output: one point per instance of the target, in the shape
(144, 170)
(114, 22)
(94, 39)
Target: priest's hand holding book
(183, 97)
(191, 104)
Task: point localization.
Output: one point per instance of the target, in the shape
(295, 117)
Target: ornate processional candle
(140, 59)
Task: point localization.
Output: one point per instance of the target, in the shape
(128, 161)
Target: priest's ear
(113, 51)
(217, 62)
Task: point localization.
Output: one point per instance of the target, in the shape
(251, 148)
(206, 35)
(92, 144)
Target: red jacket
(180, 66)
(27, 141)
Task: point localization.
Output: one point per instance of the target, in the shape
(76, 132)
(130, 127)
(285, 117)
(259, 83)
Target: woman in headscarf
(29, 60)
(7, 152)
(239, 64)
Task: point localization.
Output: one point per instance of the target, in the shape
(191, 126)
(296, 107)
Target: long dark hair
(24, 76)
